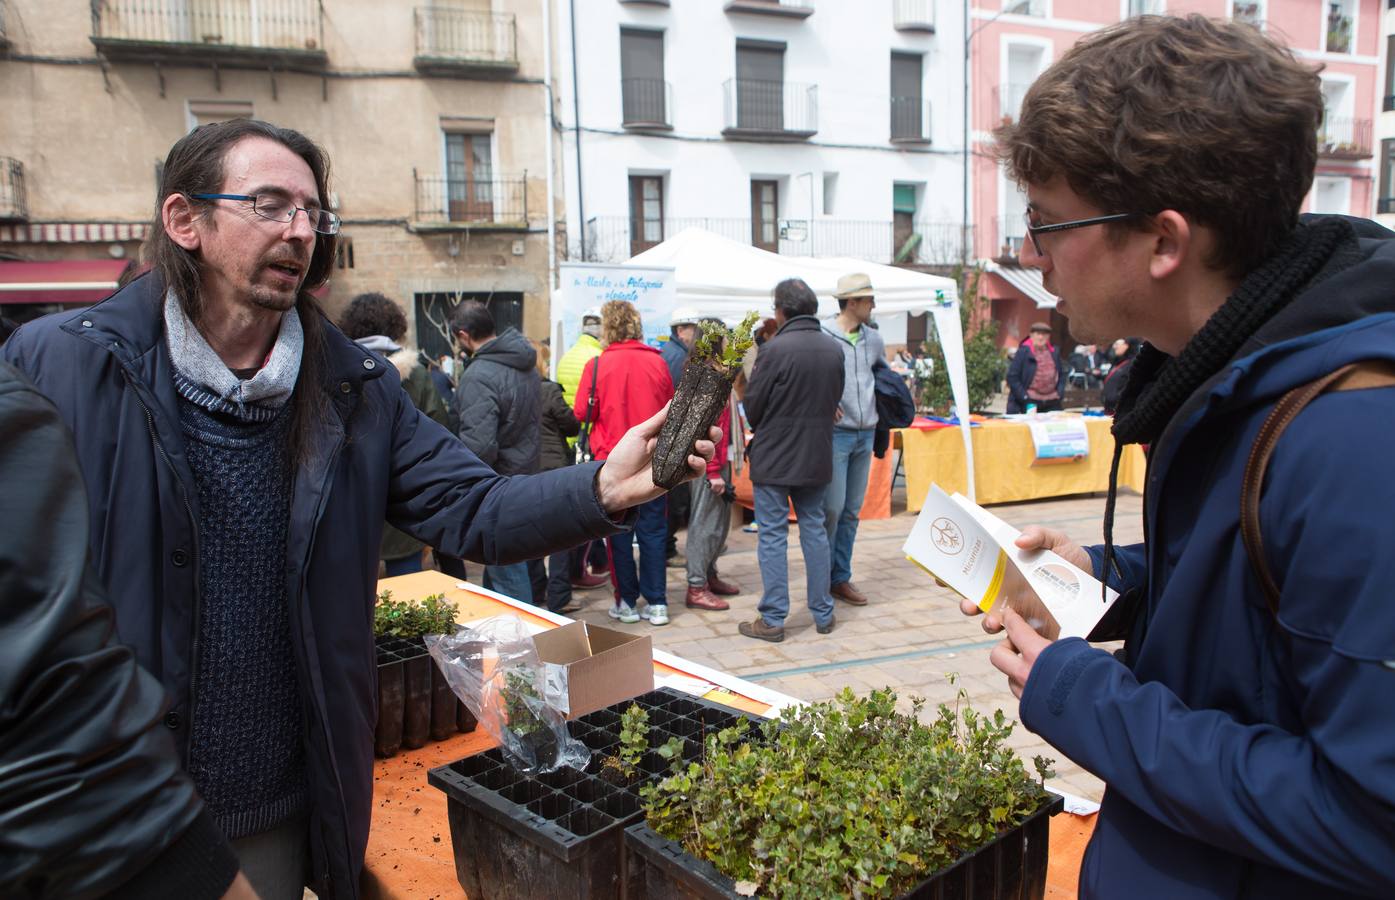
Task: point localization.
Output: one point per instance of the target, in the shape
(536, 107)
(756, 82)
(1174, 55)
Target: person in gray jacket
(854, 428)
(791, 402)
(500, 413)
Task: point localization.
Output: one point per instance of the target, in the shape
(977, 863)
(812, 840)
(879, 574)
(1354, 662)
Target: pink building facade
(1012, 41)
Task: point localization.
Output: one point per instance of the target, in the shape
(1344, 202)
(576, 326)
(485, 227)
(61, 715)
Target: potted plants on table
(849, 798)
(414, 701)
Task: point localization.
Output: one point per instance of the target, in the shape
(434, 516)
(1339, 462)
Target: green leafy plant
(726, 346)
(522, 703)
(410, 619)
(983, 361)
(847, 798)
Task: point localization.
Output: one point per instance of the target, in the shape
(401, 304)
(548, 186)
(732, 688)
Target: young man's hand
(1016, 594)
(626, 480)
(1018, 652)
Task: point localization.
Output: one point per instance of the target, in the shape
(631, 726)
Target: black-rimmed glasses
(1034, 230)
(280, 209)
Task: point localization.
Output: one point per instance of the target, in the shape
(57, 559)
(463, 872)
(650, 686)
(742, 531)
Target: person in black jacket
(794, 392)
(240, 456)
(1036, 375)
(92, 799)
(497, 401)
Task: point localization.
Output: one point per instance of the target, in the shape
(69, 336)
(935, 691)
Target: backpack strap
(1353, 377)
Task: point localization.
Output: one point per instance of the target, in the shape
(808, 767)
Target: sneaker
(656, 613)
(758, 629)
(723, 588)
(750, 529)
(826, 627)
(624, 612)
(702, 598)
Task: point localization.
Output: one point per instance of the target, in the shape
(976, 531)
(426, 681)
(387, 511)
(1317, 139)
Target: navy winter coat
(1023, 369)
(108, 371)
(1244, 756)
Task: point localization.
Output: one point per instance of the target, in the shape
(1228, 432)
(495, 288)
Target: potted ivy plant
(849, 798)
(701, 394)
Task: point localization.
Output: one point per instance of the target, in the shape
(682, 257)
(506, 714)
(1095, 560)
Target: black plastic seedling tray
(1010, 867)
(561, 833)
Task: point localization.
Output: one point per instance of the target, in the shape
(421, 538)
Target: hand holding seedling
(626, 480)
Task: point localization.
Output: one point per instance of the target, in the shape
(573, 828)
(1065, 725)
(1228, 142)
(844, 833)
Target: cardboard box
(602, 666)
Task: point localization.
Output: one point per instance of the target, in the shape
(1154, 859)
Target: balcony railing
(1009, 99)
(13, 203)
(290, 31)
(1344, 138)
(500, 202)
(910, 120)
(646, 102)
(770, 109)
(913, 15)
(797, 9)
(458, 40)
(609, 239)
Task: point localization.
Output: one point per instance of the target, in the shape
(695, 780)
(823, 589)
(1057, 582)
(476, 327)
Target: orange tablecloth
(877, 504)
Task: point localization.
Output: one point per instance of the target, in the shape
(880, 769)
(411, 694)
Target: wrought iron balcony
(910, 120)
(795, 9)
(270, 32)
(1344, 138)
(646, 103)
(448, 204)
(770, 110)
(14, 206)
(913, 15)
(458, 41)
(616, 239)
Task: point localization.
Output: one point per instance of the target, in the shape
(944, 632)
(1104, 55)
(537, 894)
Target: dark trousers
(679, 505)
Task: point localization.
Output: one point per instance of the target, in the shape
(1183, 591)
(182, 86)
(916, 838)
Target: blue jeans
(772, 546)
(842, 504)
(405, 565)
(511, 581)
(651, 530)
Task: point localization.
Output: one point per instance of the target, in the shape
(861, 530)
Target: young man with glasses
(241, 455)
(1244, 732)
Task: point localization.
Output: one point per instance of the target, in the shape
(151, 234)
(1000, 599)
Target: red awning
(74, 281)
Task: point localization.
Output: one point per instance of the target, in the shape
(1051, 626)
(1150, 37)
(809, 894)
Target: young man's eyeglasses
(1033, 229)
(279, 209)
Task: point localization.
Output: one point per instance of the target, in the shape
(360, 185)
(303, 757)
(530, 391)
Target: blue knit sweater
(246, 753)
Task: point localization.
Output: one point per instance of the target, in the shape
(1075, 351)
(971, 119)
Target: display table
(876, 504)
(1003, 470)
(410, 853)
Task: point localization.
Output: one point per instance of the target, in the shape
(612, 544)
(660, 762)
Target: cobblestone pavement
(911, 636)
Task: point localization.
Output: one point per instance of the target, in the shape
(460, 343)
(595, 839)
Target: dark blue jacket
(108, 371)
(895, 406)
(675, 356)
(1023, 369)
(1244, 756)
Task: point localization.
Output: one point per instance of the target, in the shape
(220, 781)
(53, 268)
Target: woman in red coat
(632, 386)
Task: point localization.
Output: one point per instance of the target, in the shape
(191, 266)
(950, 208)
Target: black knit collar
(1159, 384)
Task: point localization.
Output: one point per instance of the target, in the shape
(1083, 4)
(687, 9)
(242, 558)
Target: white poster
(951, 333)
(584, 285)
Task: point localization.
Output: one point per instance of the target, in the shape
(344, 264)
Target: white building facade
(805, 127)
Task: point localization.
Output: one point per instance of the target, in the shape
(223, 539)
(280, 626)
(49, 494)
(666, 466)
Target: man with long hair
(1245, 732)
(241, 455)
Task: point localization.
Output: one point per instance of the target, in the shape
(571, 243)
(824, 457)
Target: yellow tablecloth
(1003, 470)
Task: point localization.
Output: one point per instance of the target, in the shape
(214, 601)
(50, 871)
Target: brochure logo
(946, 536)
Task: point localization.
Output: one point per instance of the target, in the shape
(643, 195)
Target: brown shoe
(848, 594)
(702, 598)
(722, 588)
(590, 582)
(758, 629)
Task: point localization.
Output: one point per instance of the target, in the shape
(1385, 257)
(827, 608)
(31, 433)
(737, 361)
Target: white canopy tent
(721, 277)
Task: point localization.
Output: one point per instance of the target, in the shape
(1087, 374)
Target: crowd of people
(1038, 378)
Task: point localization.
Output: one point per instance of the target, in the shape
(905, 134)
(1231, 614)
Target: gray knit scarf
(201, 367)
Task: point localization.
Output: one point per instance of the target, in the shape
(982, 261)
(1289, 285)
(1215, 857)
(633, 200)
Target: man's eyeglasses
(1033, 230)
(279, 209)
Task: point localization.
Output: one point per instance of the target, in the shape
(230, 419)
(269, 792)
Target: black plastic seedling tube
(387, 731)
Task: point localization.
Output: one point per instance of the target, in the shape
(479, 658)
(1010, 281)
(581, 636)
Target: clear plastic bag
(493, 667)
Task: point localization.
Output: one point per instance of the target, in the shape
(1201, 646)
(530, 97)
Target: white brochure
(972, 551)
